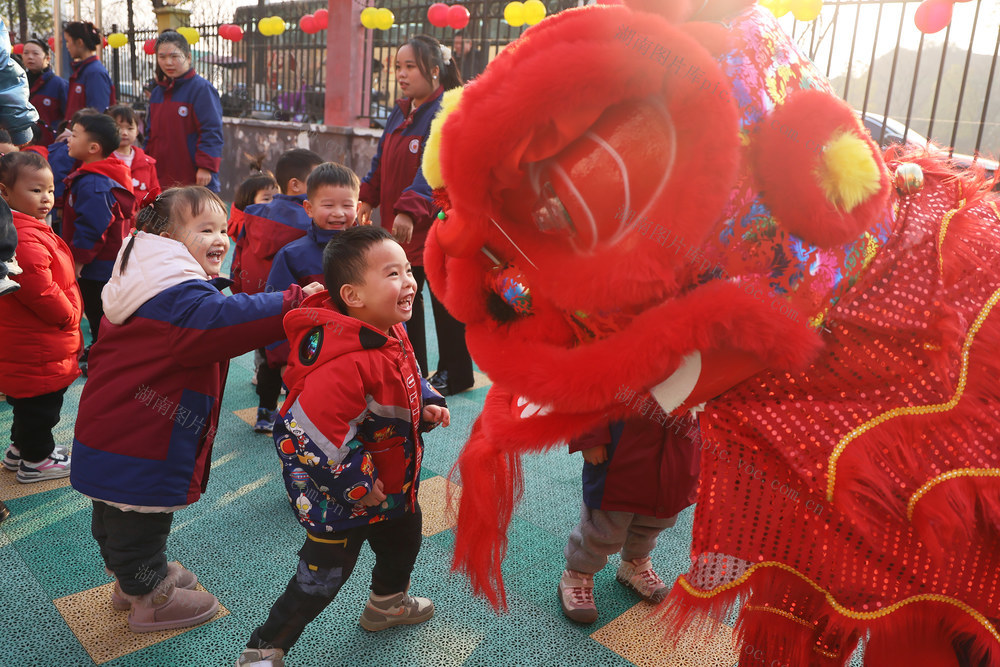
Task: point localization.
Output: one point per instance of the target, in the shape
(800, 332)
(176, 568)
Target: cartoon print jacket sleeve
(210, 327)
(324, 420)
(95, 214)
(208, 111)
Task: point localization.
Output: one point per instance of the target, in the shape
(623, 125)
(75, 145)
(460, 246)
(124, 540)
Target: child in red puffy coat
(39, 323)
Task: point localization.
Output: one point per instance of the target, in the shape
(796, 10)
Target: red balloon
(322, 17)
(237, 33)
(458, 17)
(52, 42)
(308, 24)
(18, 49)
(149, 46)
(437, 14)
(933, 15)
(224, 31)
(104, 41)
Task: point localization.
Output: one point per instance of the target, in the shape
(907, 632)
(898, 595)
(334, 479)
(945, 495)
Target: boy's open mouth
(406, 303)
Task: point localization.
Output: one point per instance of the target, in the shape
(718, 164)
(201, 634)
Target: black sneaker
(265, 421)
(83, 361)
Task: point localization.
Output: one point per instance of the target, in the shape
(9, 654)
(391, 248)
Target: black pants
(133, 545)
(325, 566)
(453, 355)
(93, 307)
(268, 384)
(34, 419)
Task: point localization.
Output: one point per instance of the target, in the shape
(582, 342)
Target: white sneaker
(8, 286)
(55, 466)
(12, 459)
(265, 657)
(13, 268)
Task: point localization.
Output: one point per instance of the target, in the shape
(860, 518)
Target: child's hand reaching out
(375, 496)
(312, 288)
(595, 455)
(435, 415)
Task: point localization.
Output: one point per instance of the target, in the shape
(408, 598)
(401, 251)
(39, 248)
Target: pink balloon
(308, 24)
(458, 17)
(437, 14)
(933, 15)
(322, 17)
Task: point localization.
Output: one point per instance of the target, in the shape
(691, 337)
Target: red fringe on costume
(861, 497)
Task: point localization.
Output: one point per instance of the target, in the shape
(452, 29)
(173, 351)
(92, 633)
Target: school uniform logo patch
(414, 146)
(182, 112)
(47, 102)
(79, 89)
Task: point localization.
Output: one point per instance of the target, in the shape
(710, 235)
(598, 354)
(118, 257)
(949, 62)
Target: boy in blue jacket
(332, 202)
(349, 439)
(267, 229)
(98, 210)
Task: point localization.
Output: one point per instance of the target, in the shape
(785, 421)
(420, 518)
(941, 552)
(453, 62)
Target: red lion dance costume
(669, 200)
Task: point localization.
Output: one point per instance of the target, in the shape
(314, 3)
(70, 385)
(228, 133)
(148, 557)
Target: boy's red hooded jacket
(98, 212)
(40, 323)
(149, 411)
(352, 416)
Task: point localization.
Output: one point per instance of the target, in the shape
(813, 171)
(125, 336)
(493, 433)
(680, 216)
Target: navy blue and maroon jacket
(267, 228)
(48, 96)
(352, 416)
(395, 181)
(89, 86)
(149, 412)
(650, 469)
(98, 211)
(298, 263)
(184, 130)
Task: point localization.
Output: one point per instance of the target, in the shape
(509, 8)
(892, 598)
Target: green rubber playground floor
(241, 540)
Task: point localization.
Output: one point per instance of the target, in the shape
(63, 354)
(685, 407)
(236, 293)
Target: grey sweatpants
(601, 533)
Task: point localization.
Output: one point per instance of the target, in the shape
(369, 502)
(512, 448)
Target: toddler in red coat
(142, 166)
(39, 323)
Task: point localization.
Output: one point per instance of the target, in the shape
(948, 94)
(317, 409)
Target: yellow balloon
(780, 7)
(385, 19)
(806, 10)
(534, 11)
(514, 14)
(277, 25)
(369, 18)
(116, 40)
(264, 26)
(190, 34)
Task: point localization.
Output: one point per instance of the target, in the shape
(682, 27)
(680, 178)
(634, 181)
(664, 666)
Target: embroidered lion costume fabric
(665, 202)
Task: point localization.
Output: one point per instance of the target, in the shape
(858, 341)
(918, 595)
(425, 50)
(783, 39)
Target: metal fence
(939, 86)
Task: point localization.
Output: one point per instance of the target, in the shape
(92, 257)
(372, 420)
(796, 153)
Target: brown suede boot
(185, 579)
(168, 607)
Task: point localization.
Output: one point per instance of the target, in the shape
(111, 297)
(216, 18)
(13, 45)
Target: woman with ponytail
(48, 91)
(424, 70)
(90, 84)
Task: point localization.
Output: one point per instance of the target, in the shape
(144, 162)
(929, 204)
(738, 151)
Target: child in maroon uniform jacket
(98, 210)
(148, 414)
(39, 324)
(637, 476)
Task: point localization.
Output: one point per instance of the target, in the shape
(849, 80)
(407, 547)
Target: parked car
(894, 132)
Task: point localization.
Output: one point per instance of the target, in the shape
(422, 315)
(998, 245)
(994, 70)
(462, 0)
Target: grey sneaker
(576, 595)
(263, 657)
(639, 575)
(385, 611)
(12, 459)
(55, 466)
(8, 286)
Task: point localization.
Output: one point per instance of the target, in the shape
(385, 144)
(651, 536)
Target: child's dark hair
(248, 189)
(101, 129)
(123, 113)
(428, 54)
(162, 214)
(12, 164)
(86, 31)
(178, 40)
(332, 173)
(296, 163)
(344, 261)
(5, 137)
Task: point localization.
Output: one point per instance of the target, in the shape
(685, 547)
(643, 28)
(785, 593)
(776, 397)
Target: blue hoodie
(16, 114)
